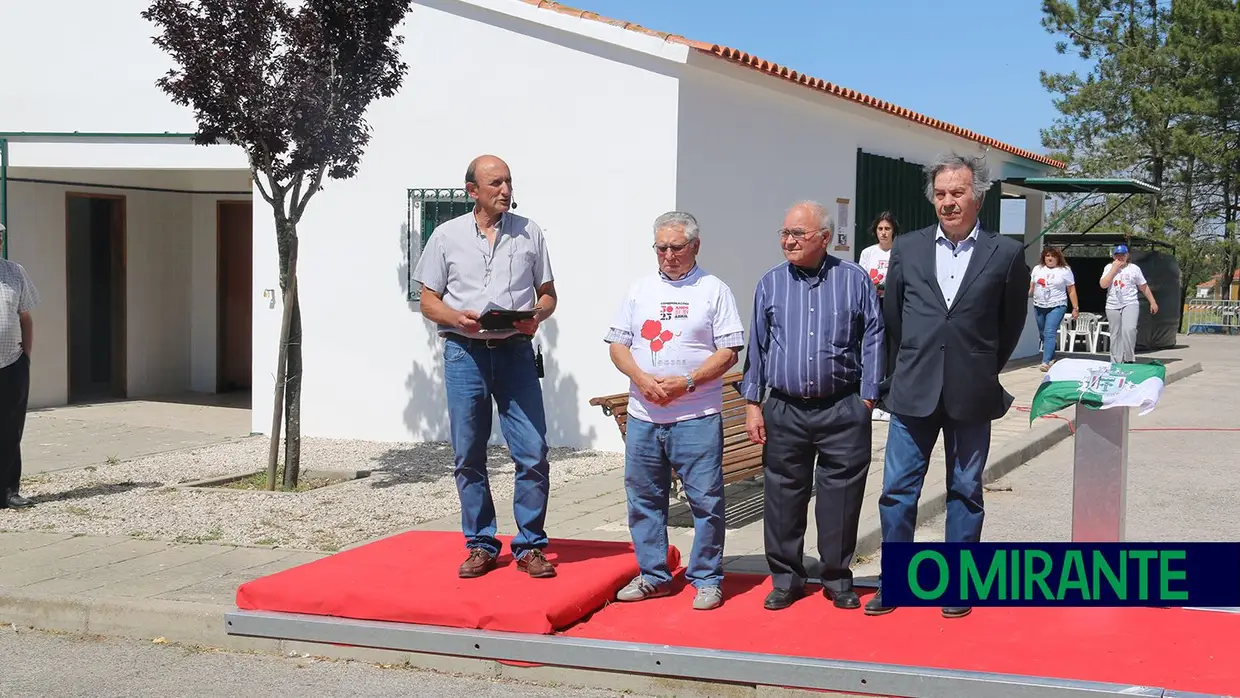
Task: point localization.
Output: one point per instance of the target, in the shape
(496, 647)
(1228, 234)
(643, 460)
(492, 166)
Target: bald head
(811, 212)
(483, 162)
(489, 181)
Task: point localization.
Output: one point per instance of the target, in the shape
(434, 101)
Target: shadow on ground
(434, 461)
(743, 503)
(102, 489)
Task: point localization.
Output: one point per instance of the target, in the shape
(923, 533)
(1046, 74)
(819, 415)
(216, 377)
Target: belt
(826, 401)
(480, 343)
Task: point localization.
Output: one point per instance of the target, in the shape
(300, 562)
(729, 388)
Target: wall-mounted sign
(841, 226)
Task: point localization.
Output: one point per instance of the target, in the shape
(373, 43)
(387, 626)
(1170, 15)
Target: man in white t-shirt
(1123, 280)
(676, 335)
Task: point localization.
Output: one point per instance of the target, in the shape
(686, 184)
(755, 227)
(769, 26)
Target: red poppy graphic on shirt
(1042, 282)
(876, 276)
(652, 331)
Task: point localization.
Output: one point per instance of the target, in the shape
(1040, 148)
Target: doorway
(235, 225)
(95, 287)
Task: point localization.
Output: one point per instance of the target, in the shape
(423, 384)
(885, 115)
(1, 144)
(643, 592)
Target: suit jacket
(954, 354)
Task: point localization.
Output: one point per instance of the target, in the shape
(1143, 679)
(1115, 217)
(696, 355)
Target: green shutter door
(428, 209)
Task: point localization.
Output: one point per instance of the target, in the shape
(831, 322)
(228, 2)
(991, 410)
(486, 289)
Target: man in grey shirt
(17, 297)
(492, 257)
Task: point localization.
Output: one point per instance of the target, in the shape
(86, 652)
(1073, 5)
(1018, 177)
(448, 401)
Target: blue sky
(973, 63)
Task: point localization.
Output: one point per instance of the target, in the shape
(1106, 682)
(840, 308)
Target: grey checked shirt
(17, 295)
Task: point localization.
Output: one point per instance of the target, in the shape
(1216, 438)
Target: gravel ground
(410, 483)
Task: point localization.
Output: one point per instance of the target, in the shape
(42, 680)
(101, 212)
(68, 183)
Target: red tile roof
(1217, 278)
(741, 58)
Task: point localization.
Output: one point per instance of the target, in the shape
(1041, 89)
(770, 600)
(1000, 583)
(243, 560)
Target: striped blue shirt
(815, 334)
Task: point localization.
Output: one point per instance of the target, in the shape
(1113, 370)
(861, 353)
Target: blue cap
(1121, 249)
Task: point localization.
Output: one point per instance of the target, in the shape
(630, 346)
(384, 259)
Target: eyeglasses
(797, 233)
(674, 249)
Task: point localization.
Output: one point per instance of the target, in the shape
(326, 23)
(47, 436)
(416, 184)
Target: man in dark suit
(954, 310)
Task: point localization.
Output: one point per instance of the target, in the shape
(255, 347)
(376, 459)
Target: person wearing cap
(18, 296)
(1124, 283)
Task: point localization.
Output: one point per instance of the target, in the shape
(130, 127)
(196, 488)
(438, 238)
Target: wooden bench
(742, 459)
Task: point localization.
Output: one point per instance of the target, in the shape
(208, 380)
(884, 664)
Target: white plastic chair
(1080, 329)
(1101, 329)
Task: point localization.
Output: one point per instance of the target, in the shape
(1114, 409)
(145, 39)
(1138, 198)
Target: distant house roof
(1216, 278)
(741, 58)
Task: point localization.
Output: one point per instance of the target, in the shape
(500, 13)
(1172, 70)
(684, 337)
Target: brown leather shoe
(479, 563)
(536, 564)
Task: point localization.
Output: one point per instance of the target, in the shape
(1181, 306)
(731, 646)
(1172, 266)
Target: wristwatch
(689, 380)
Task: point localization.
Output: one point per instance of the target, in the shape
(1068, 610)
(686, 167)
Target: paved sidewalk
(74, 436)
(143, 588)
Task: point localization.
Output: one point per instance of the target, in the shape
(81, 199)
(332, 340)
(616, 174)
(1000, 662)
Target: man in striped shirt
(816, 344)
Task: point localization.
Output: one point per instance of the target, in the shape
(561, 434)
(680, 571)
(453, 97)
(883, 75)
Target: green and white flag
(1098, 384)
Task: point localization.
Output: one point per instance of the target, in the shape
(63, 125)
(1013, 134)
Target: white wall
(106, 83)
(591, 142)
(170, 273)
(784, 142)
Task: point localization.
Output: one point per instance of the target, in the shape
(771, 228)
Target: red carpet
(1171, 648)
(412, 578)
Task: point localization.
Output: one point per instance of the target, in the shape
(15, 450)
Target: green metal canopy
(1084, 185)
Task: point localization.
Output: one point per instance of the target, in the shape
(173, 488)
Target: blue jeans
(1049, 320)
(909, 443)
(694, 448)
(473, 376)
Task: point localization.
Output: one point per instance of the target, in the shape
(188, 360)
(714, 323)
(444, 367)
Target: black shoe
(16, 501)
(781, 598)
(875, 607)
(956, 611)
(846, 599)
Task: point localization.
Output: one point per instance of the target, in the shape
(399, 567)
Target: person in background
(18, 296)
(492, 255)
(874, 260)
(1123, 280)
(675, 336)
(816, 344)
(1051, 286)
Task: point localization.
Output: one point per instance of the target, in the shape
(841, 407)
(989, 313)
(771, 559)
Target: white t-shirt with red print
(1050, 286)
(1125, 287)
(672, 327)
(874, 261)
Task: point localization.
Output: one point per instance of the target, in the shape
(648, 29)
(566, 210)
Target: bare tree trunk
(292, 395)
(1231, 192)
(277, 406)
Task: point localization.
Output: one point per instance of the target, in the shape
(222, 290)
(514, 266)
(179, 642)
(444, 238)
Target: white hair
(975, 165)
(678, 219)
(821, 214)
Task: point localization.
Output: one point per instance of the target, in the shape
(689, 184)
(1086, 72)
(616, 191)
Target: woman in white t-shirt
(1051, 286)
(874, 261)
(1123, 280)
(874, 258)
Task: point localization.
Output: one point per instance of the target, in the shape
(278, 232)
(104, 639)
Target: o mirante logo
(1061, 574)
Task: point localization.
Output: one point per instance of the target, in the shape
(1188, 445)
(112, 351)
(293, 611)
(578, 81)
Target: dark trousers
(825, 445)
(14, 392)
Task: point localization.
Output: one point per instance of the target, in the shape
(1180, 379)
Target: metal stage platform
(678, 662)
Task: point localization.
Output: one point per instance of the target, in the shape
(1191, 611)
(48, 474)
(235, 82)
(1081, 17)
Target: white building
(140, 245)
